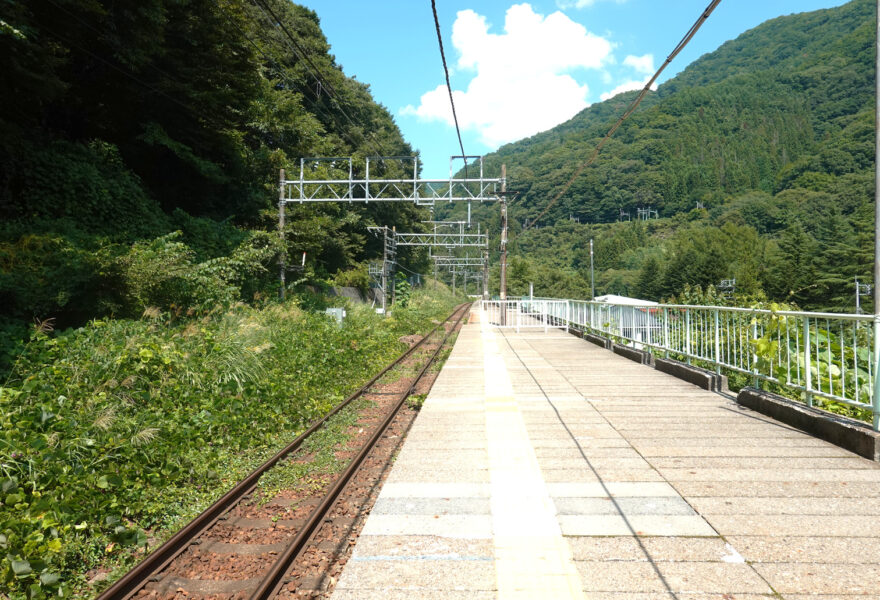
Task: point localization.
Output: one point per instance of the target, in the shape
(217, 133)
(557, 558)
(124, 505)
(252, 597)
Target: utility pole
(384, 270)
(485, 274)
(503, 291)
(393, 276)
(282, 256)
(592, 281)
(876, 399)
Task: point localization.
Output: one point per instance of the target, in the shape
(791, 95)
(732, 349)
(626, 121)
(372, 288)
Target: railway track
(245, 546)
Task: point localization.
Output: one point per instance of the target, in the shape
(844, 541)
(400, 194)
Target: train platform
(542, 466)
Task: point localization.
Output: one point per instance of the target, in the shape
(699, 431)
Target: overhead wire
(632, 107)
(449, 85)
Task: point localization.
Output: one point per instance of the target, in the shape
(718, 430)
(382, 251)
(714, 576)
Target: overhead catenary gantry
(311, 187)
(423, 192)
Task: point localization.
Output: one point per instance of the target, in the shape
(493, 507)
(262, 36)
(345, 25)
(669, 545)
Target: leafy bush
(358, 277)
(161, 272)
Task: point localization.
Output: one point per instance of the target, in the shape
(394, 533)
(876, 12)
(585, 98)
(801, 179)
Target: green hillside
(772, 134)
(123, 123)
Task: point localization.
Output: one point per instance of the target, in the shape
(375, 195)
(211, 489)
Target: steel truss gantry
(423, 192)
(447, 262)
(444, 240)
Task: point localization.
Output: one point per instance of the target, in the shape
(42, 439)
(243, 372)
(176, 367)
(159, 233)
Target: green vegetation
(122, 124)
(772, 134)
(116, 432)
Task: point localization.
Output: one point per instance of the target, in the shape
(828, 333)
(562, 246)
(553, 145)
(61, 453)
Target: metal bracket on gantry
(317, 184)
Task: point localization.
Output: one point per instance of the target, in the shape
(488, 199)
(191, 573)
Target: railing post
(568, 316)
(875, 399)
(665, 332)
(717, 344)
(687, 337)
(755, 380)
(808, 364)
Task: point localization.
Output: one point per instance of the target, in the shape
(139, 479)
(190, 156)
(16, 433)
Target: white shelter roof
(615, 299)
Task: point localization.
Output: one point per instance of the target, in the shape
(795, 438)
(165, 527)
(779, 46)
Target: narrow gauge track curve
(156, 562)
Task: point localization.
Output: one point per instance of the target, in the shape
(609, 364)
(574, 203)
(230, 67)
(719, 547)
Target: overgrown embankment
(115, 433)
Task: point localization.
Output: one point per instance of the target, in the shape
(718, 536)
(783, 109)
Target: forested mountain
(121, 122)
(772, 134)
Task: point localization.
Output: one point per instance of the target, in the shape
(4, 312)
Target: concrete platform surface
(544, 466)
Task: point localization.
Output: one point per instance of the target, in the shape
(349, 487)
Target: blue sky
(518, 68)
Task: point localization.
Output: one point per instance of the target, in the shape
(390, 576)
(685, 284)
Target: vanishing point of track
(150, 569)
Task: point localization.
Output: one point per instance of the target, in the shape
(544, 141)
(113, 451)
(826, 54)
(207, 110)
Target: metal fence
(524, 314)
(814, 355)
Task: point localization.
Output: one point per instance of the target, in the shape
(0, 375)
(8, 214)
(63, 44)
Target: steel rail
(130, 583)
(277, 575)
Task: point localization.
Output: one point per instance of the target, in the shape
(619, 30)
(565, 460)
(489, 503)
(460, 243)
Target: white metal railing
(522, 314)
(818, 355)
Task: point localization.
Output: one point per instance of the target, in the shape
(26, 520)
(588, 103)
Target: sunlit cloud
(564, 4)
(642, 64)
(627, 86)
(522, 81)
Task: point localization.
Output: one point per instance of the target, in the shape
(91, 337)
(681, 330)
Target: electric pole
(592, 281)
(503, 285)
(876, 398)
(283, 254)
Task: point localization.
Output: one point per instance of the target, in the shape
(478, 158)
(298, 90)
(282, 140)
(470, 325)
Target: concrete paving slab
(415, 473)
(853, 550)
(818, 578)
(786, 506)
(440, 574)
(795, 525)
(417, 546)
(827, 451)
(713, 577)
(781, 464)
(807, 475)
(614, 488)
(598, 462)
(605, 576)
(604, 525)
(431, 506)
(782, 489)
(662, 505)
(454, 526)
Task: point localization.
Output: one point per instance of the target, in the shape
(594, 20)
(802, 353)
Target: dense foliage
(123, 122)
(758, 157)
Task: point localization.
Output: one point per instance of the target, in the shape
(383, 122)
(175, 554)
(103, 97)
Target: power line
(632, 107)
(448, 85)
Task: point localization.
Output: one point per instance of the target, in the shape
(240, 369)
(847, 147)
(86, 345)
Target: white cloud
(521, 82)
(642, 64)
(564, 4)
(627, 86)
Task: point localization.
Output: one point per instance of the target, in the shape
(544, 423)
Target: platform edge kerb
(849, 434)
